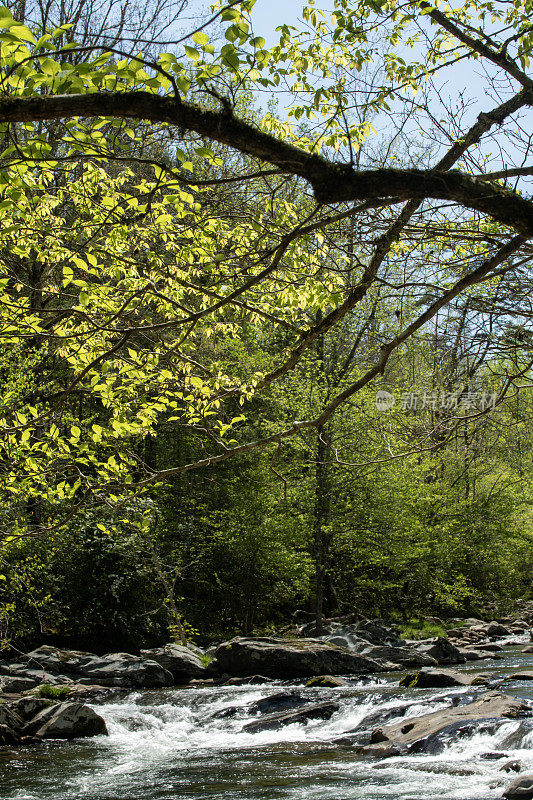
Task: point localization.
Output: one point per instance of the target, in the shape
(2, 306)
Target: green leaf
(192, 52)
(200, 38)
(22, 32)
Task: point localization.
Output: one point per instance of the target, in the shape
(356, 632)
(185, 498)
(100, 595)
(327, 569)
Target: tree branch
(331, 182)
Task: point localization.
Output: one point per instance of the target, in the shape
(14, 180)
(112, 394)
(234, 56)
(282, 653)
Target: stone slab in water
(66, 721)
(413, 732)
(331, 681)
(435, 679)
(275, 721)
(521, 788)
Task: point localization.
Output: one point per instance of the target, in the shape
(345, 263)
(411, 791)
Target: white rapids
(166, 745)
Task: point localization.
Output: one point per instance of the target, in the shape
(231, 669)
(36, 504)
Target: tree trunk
(320, 535)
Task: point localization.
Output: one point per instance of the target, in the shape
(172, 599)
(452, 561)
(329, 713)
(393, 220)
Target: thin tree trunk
(320, 534)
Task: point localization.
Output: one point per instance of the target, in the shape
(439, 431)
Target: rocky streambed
(435, 730)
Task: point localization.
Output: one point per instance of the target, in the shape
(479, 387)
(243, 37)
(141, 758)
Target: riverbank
(193, 743)
(227, 713)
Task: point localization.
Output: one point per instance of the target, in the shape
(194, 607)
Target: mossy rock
(327, 681)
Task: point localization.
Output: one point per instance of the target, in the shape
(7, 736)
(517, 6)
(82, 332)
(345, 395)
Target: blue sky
(268, 14)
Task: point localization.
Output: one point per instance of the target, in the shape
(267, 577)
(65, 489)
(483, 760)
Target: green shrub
(52, 692)
(422, 630)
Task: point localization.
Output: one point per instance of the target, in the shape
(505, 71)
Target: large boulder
(476, 655)
(443, 651)
(495, 629)
(489, 647)
(347, 641)
(273, 705)
(309, 711)
(281, 701)
(65, 721)
(123, 669)
(377, 633)
(435, 679)
(27, 707)
(9, 718)
(290, 658)
(38, 718)
(520, 789)
(181, 662)
(35, 669)
(37, 675)
(57, 661)
(16, 684)
(113, 669)
(417, 733)
(400, 656)
(331, 681)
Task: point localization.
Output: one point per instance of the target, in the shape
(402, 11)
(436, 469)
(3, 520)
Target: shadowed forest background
(421, 509)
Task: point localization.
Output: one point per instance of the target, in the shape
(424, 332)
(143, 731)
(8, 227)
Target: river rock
(250, 680)
(516, 739)
(521, 676)
(27, 707)
(281, 701)
(290, 658)
(331, 681)
(65, 721)
(38, 675)
(511, 766)
(275, 721)
(8, 737)
(310, 628)
(487, 647)
(528, 649)
(376, 633)
(381, 716)
(417, 732)
(475, 655)
(58, 661)
(485, 679)
(494, 629)
(521, 787)
(123, 669)
(443, 651)
(347, 641)
(400, 656)
(39, 718)
(435, 679)
(181, 662)
(9, 718)
(16, 684)
(113, 669)
(439, 741)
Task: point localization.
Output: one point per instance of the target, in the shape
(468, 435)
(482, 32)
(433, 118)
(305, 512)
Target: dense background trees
(212, 260)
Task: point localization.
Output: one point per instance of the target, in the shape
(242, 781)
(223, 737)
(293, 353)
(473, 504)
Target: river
(162, 745)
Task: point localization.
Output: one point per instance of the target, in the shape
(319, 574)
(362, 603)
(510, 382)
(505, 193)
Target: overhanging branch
(331, 182)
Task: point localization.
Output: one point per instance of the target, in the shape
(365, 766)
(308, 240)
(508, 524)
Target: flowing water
(164, 745)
